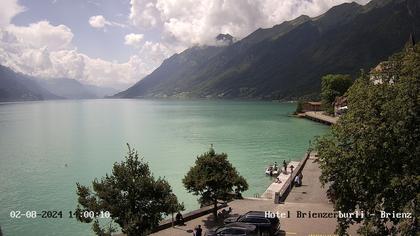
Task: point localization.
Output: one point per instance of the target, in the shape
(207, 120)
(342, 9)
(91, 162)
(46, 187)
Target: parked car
(235, 229)
(264, 224)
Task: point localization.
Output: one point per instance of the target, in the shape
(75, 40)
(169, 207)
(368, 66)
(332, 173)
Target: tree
(214, 178)
(333, 86)
(371, 159)
(299, 107)
(135, 199)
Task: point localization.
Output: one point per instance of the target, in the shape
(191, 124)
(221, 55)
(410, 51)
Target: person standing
(285, 166)
(198, 231)
(291, 168)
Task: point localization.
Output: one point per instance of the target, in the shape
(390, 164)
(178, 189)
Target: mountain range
(73, 89)
(19, 87)
(287, 60)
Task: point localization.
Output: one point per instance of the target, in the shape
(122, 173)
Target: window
(257, 220)
(226, 231)
(238, 232)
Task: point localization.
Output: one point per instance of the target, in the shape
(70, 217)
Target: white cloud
(9, 8)
(45, 51)
(43, 34)
(133, 39)
(99, 21)
(144, 14)
(154, 53)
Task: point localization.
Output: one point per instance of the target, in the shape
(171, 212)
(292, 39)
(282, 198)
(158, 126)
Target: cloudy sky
(115, 43)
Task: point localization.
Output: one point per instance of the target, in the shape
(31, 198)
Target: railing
(189, 216)
(287, 187)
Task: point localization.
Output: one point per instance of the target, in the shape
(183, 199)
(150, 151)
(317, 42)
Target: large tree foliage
(371, 159)
(333, 86)
(214, 178)
(136, 200)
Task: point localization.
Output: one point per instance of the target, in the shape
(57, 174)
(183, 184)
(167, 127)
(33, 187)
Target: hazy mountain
(99, 91)
(287, 60)
(18, 87)
(67, 88)
(73, 89)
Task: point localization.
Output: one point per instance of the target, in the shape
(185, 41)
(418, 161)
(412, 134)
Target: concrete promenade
(310, 198)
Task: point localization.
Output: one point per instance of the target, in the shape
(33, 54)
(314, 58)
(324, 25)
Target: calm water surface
(37, 140)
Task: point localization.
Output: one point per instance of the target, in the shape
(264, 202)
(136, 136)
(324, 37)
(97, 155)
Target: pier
(276, 190)
(318, 116)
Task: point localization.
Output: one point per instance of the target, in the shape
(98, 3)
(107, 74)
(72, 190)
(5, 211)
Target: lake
(46, 147)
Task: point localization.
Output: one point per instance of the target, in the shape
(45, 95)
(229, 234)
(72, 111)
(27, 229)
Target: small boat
(270, 170)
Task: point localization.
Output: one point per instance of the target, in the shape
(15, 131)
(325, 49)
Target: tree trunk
(215, 209)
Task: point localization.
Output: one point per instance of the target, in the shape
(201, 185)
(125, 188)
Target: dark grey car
(264, 225)
(236, 229)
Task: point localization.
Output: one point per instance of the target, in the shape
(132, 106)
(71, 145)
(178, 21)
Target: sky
(115, 43)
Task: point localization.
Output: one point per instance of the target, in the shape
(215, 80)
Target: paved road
(311, 199)
(311, 190)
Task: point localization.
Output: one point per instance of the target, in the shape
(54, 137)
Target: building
(340, 105)
(383, 71)
(311, 106)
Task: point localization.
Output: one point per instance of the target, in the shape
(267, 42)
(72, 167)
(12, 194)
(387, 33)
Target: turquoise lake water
(37, 140)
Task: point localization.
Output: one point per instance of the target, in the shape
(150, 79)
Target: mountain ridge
(19, 87)
(16, 86)
(287, 60)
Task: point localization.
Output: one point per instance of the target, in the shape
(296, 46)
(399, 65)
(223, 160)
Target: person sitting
(179, 219)
(297, 181)
(225, 213)
(222, 214)
(270, 170)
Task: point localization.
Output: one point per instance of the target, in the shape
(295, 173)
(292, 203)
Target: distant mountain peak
(300, 19)
(225, 39)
